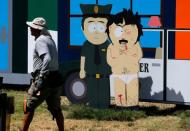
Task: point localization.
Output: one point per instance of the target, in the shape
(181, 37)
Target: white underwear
(126, 78)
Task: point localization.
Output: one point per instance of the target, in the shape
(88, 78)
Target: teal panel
(46, 9)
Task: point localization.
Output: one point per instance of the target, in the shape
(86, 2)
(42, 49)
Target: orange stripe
(182, 48)
(182, 13)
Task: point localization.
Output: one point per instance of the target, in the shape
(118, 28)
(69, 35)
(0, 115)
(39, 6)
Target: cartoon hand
(82, 74)
(114, 52)
(131, 53)
(122, 49)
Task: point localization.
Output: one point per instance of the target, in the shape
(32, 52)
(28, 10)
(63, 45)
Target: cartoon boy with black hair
(93, 66)
(123, 55)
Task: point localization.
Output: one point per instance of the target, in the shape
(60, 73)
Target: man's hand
(82, 74)
(39, 83)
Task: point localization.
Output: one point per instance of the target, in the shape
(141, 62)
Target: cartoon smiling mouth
(123, 41)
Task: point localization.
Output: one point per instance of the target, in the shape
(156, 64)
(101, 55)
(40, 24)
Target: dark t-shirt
(88, 51)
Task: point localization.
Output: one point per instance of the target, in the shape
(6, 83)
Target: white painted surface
(178, 80)
(31, 44)
(152, 81)
(16, 78)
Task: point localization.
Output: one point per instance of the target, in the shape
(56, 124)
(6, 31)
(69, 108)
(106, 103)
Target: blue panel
(117, 5)
(4, 48)
(75, 5)
(77, 37)
(150, 39)
(144, 22)
(147, 7)
(4, 57)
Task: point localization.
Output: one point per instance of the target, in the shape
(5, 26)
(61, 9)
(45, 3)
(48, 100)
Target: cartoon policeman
(123, 55)
(93, 66)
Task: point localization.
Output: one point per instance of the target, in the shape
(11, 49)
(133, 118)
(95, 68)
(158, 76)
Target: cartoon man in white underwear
(123, 55)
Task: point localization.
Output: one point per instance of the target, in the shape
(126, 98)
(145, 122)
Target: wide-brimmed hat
(38, 23)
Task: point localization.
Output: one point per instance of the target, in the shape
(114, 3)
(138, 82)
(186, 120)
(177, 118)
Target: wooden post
(6, 109)
(3, 98)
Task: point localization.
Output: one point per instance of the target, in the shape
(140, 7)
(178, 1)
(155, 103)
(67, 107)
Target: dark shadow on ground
(155, 110)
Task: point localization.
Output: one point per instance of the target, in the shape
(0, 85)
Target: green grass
(185, 119)
(80, 112)
(84, 112)
(18, 104)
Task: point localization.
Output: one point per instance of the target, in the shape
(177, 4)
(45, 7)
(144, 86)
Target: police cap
(95, 9)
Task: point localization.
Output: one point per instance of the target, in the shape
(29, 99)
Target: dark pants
(50, 92)
(98, 92)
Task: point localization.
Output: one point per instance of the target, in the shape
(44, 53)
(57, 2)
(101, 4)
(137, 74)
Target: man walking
(46, 79)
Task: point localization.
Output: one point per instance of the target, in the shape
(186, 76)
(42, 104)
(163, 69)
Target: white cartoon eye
(100, 27)
(118, 32)
(92, 27)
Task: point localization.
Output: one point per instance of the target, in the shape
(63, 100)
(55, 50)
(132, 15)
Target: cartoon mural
(164, 68)
(123, 55)
(94, 67)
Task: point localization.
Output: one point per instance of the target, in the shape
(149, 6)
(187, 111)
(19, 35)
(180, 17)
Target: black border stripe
(168, 22)
(165, 66)
(19, 45)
